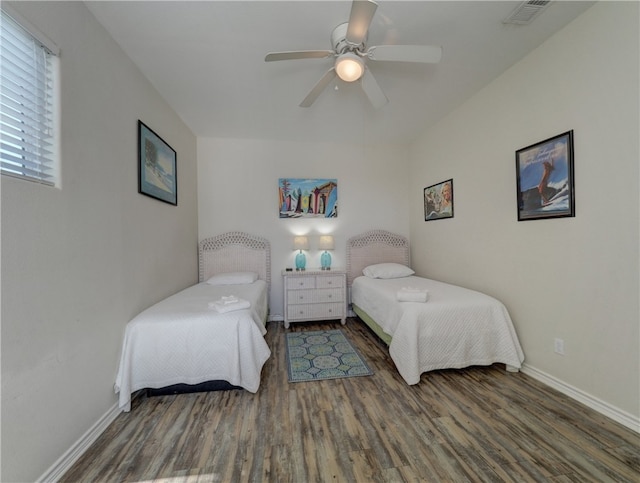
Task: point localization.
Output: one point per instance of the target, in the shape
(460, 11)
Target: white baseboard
(276, 318)
(629, 420)
(60, 467)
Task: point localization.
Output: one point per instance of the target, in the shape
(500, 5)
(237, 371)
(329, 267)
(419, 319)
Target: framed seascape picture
(545, 179)
(438, 201)
(157, 176)
(307, 198)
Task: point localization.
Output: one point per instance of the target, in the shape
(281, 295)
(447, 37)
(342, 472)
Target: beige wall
(238, 190)
(79, 262)
(572, 278)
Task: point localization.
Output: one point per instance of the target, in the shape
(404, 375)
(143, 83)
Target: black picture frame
(157, 166)
(438, 201)
(545, 179)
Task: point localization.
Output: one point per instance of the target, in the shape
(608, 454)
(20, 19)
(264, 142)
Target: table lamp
(301, 243)
(326, 243)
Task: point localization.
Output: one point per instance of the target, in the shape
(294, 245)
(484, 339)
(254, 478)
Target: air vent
(526, 12)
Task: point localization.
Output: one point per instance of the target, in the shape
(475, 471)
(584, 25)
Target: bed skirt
(206, 386)
(386, 338)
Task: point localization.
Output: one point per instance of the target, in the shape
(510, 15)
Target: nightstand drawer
(329, 311)
(316, 311)
(329, 295)
(295, 283)
(301, 312)
(297, 297)
(330, 281)
(310, 296)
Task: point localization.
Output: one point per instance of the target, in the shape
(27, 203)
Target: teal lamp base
(301, 261)
(325, 261)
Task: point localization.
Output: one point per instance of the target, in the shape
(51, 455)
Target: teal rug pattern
(322, 354)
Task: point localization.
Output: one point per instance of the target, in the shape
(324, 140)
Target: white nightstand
(315, 295)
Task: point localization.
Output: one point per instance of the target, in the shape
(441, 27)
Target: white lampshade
(326, 242)
(349, 67)
(300, 243)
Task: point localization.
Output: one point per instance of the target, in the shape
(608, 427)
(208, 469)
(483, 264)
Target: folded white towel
(231, 299)
(409, 294)
(222, 308)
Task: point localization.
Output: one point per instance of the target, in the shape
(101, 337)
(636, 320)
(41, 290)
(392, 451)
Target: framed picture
(157, 176)
(545, 179)
(307, 198)
(438, 201)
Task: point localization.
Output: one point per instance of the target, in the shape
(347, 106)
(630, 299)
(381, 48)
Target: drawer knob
(330, 310)
(330, 295)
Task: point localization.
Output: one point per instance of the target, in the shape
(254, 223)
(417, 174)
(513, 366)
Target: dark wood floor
(477, 424)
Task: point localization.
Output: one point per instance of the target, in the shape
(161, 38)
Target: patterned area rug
(322, 354)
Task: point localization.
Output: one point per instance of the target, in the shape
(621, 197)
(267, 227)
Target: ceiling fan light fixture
(349, 67)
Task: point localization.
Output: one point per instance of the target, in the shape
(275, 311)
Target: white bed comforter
(180, 340)
(455, 328)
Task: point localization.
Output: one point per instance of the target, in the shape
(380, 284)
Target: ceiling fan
(348, 41)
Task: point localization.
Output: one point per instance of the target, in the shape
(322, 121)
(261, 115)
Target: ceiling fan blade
(362, 12)
(319, 87)
(372, 90)
(428, 54)
(301, 54)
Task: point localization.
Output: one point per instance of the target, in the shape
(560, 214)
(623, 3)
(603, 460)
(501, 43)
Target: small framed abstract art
(438, 201)
(307, 198)
(157, 175)
(544, 175)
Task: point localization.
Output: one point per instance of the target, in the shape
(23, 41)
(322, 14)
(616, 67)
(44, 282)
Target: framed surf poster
(545, 180)
(307, 198)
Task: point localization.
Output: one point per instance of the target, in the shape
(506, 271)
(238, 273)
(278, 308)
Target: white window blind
(28, 138)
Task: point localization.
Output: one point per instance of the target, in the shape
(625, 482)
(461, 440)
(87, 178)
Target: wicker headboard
(234, 252)
(375, 246)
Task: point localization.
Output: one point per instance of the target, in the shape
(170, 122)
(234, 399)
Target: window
(28, 102)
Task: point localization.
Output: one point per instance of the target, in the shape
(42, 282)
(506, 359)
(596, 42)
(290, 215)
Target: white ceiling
(206, 58)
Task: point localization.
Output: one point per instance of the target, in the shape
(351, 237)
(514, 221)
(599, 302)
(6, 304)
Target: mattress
(181, 340)
(455, 328)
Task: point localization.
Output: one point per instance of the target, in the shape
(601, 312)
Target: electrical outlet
(559, 346)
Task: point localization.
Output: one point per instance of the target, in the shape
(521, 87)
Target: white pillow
(233, 278)
(387, 270)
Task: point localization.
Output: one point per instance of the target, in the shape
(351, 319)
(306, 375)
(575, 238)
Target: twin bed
(452, 328)
(211, 335)
(204, 337)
